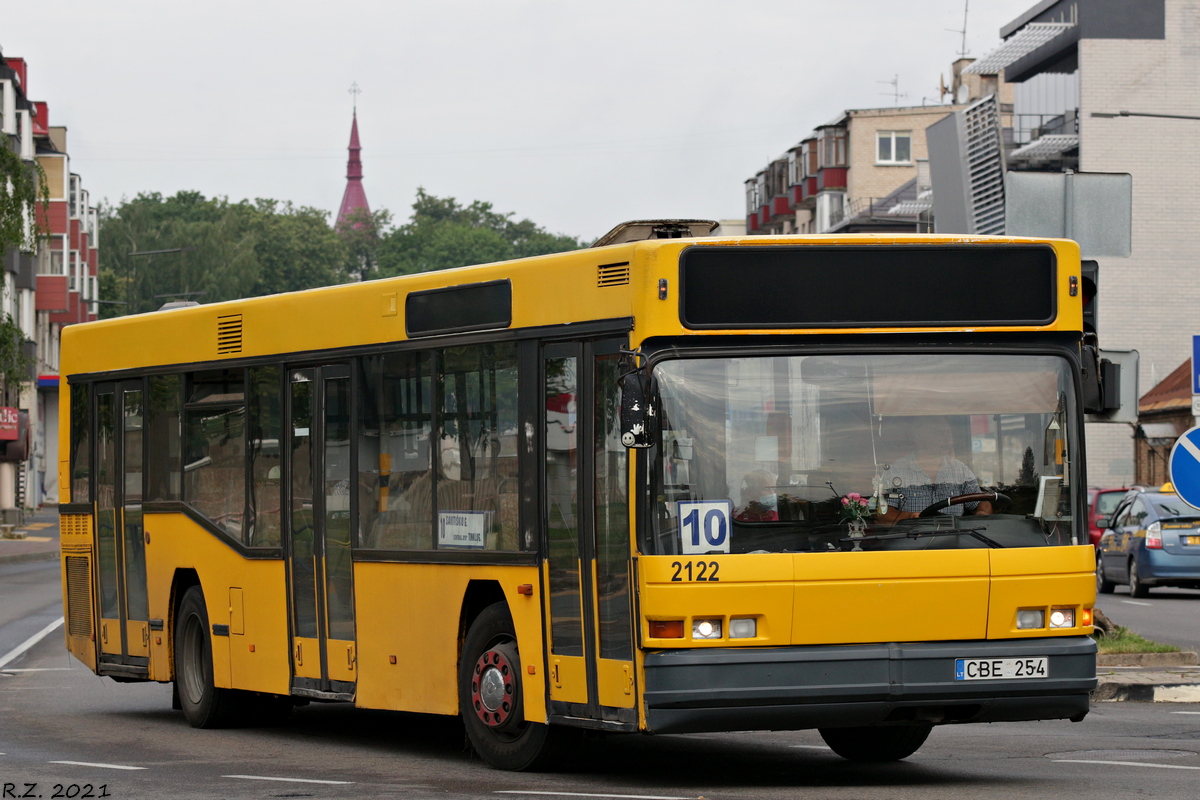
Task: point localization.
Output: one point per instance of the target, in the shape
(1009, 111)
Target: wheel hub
(493, 688)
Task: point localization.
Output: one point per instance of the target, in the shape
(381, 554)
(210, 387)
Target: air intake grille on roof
(229, 334)
(612, 274)
(79, 596)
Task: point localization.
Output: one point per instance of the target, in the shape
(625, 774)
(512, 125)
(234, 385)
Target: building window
(832, 144)
(893, 147)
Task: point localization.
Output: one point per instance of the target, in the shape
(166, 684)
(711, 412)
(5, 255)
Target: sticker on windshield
(704, 525)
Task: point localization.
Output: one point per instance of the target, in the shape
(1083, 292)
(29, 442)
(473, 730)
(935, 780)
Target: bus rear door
(124, 611)
(317, 542)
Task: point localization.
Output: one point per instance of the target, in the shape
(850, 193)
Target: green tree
(22, 184)
(360, 234)
(296, 249)
(216, 250)
(442, 233)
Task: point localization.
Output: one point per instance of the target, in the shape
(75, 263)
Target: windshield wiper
(976, 533)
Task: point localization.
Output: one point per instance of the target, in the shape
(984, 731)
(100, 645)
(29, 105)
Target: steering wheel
(1001, 500)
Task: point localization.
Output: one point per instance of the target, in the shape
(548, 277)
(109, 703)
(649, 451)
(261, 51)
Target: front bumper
(792, 688)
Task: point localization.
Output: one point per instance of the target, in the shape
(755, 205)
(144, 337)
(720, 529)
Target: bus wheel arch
(491, 698)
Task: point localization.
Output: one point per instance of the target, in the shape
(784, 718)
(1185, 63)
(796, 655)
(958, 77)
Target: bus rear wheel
(884, 743)
(491, 699)
(204, 705)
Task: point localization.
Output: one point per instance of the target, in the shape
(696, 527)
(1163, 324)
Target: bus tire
(491, 699)
(883, 743)
(204, 705)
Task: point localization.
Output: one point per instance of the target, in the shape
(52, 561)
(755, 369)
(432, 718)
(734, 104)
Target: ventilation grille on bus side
(79, 596)
(612, 274)
(75, 524)
(229, 334)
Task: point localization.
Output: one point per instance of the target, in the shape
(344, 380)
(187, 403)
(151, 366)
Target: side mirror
(639, 410)
(1103, 522)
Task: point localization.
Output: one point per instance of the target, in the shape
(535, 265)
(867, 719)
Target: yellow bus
(672, 483)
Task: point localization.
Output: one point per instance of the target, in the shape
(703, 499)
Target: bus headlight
(1062, 618)
(1029, 618)
(706, 629)
(746, 628)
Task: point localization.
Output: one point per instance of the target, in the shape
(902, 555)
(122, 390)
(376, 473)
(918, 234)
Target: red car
(1101, 503)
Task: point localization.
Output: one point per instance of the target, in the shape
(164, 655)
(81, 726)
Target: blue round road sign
(1184, 465)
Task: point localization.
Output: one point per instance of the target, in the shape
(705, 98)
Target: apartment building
(47, 288)
(864, 170)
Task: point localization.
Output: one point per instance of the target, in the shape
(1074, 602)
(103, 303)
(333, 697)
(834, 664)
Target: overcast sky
(578, 116)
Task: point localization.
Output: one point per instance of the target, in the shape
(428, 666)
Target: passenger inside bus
(930, 472)
(759, 501)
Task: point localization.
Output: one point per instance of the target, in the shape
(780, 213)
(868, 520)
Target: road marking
(286, 780)
(1121, 763)
(89, 764)
(39, 669)
(30, 642)
(1136, 603)
(1185, 712)
(589, 794)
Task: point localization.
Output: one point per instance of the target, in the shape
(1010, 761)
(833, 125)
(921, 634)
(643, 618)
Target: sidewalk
(40, 542)
(1148, 684)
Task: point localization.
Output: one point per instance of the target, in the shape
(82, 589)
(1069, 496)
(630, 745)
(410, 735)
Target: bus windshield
(786, 453)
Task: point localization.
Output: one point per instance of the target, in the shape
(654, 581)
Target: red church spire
(354, 198)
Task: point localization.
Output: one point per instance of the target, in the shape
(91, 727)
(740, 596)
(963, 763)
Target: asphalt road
(1171, 616)
(62, 726)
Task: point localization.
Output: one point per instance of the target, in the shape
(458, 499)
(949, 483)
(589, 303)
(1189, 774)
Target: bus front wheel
(491, 699)
(204, 705)
(890, 743)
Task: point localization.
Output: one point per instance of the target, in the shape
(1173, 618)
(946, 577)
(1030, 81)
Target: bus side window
(81, 449)
(214, 466)
(477, 489)
(395, 468)
(163, 480)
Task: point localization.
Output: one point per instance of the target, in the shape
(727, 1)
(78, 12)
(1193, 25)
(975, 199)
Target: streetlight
(1113, 115)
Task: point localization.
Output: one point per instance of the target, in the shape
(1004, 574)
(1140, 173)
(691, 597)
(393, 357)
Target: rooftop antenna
(354, 92)
(895, 92)
(963, 52)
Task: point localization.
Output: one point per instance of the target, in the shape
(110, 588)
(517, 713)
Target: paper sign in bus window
(462, 530)
(704, 526)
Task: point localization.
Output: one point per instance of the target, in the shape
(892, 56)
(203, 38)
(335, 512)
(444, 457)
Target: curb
(1146, 693)
(20, 558)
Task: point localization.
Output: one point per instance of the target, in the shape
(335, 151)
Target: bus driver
(930, 473)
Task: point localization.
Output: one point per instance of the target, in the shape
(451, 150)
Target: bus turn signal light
(1085, 617)
(525, 588)
(666, 629)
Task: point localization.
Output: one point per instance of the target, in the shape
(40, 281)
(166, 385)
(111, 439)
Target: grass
(1123, 640)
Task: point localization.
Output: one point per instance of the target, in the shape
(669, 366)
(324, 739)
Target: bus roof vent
(612, 274)
(639, 230)
(229, 334)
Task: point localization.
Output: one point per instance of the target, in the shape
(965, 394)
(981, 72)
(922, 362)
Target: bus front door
(324, 655)
(124, 611)
(586, 518)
